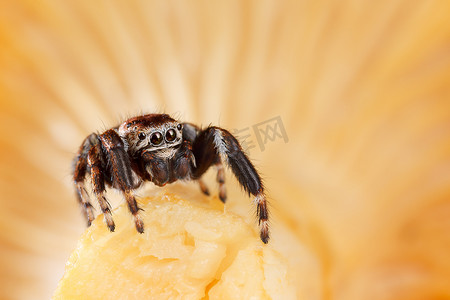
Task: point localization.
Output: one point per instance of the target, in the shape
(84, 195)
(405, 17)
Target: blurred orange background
(362, 88)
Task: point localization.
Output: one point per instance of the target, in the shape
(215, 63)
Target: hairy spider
(157, 148)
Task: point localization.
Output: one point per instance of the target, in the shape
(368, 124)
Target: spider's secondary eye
(141, 135)
(170, 135)
(179, 126)
(156, 138)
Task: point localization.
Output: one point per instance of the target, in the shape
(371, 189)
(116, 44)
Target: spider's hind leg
(79, 176)
(98, 182)
(190, 134)
(220, 178)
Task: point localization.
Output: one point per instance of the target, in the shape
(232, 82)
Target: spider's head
(151, 133)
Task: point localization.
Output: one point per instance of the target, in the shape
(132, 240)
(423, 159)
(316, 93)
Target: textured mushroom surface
(191, 248)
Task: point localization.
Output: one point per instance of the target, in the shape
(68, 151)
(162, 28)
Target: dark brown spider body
(159, 149)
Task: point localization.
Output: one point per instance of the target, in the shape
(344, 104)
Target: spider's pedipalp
(182, 162)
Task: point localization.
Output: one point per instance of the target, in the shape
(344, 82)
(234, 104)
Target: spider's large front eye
(156, 138)
(170, 135)
(141, 135)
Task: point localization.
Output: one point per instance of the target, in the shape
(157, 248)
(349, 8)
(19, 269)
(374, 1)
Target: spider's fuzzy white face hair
(139, 138)
(150, 133)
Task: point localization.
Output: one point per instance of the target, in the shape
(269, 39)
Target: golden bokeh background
(362, 88)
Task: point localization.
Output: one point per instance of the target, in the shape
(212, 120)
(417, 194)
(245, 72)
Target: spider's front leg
(121, 172)
(218, 141)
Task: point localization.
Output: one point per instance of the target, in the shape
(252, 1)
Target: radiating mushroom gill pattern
(362, 89)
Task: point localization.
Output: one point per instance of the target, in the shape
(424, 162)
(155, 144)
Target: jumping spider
(157, 148)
